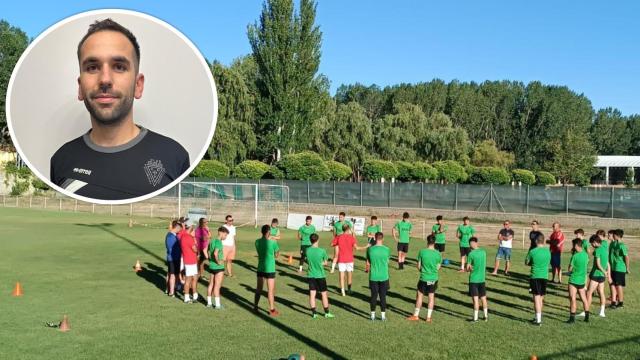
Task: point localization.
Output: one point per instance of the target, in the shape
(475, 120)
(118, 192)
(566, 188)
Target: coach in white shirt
(229, 244)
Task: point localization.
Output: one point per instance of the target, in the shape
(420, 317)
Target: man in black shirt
(116, 159)
(533, 234)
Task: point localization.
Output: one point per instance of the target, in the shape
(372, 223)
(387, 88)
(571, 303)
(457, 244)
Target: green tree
(397, 134)
(486, 153)
(610, 134)
(211, 169)
(234, 140)
(406, 170)
(306, 165)
(450, 171)
(13, 42)
(573, 158)
(439, 140)
(545, 178)
(286, 48)
(251, 169)
(526, 177)
(338, 171)
(376, 170)
(424, 172)
(633, 127)
(630, 177)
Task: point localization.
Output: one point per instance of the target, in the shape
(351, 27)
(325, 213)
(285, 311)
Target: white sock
(429, 312)
(539, 317)
(602, 309)
(333, 267)
(383, 315)
(208, 300)
(300, 267)
(373, 315)
(195, 296)
(486, 313)
(186, 298)
(416, 312)
(475, 315)
(217, 300)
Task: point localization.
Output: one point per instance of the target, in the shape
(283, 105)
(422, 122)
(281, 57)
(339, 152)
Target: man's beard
(117, 113)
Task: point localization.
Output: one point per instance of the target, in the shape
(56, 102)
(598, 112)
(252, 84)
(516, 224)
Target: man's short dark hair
(274, 221)
(223, 229)
(576, 242)
(473, 239)
(465, 218)
(619, 233)
(601, 233)
(374, 217)
(431, 239)
(110, 25)
(314, 238)
(405, 215)
(227, 217)
(578, 231)
(379, 235)
(540, 239)
(345, 227)
(439, 217)
(308, 218)
(595, 239)
(265, 229)
(342, 213)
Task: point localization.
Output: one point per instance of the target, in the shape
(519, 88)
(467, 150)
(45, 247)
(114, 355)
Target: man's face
(308, 222)
(440, 222)
(374, 222)
(555, 227)
(534, 226)
(222, 235)
(109, 80)
(473, 244)
(507, 225)
(465, 222)
(229, 221)
(341, 217)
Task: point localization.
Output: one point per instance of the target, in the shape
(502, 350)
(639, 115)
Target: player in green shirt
(372, 229)
(599, 270)
(274, 234)
(304, 234)
(429, 261)
(378, 255)
(268, 251)
(579, 233)
(439, 230)
(619, 256)
(577, 280)
(464, 233)
(477, 267)
(216, 266)
(317, 260)
(402, 235)
(539, 259)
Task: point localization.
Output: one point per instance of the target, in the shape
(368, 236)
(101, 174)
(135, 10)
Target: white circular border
(62, 22)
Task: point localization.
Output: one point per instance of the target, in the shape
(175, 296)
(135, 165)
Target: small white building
(616, 161)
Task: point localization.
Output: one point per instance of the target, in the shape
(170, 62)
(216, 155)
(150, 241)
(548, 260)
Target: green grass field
(81, 265)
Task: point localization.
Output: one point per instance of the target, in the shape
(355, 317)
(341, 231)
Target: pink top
(202, 238)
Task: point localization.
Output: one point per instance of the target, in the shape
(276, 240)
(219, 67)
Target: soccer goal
(249, 203)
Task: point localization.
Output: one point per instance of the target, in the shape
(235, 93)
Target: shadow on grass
(335, 302)
(575, 352)
(155, 275)
(105, 227)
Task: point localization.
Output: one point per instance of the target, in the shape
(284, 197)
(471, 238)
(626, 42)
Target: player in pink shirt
(203, 235)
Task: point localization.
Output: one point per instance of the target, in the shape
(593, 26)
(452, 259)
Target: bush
(39, 184)
(523, 176)
(306, 165)
(629, 177)
(379, 169)
(211, 169)
(489, 175)
(423, 172)
(405, 170)
(545, 178)
(338, 170)
(19, 187)
(581, 180)
(274, 173)
(251, 169)
(450, 171)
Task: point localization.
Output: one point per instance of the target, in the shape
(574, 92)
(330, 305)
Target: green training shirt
(467, 231)
(539, 259)
(618, 252)
(404, 229)
(216, 245)
(429, 260)
(373, 229)
(579, 265)
(601, 253)
(315, 258)
(441, 238)
(305, 232)
(337, 226)
(478, 260)
(267, 250)
(378, 256)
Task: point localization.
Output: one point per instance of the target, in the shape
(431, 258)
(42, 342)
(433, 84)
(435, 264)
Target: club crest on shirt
(155, 171)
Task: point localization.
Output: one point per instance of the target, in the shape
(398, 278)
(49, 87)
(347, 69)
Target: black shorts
(464, 251)
(618, 278)
(372, 241)
(555, 260)
(403, 247)
(440, 247)
(579, 287)
(318, 284)
(598, 279)
(538, 286)
(303, 251)
(215, 271)
(266, 275)
(477, 289)
(427, 287)
(201, 256)
(173, 267)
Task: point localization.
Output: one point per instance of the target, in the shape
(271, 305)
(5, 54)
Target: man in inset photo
(116, 159)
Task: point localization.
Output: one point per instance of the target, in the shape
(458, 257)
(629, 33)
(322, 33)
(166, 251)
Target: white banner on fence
(294, 221)
(358, 223)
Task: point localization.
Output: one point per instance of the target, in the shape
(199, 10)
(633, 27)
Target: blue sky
(591, 46)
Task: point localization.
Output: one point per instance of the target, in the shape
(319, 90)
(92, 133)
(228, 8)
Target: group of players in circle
(190, 247)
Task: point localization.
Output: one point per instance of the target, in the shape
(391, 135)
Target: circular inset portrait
(111, 106)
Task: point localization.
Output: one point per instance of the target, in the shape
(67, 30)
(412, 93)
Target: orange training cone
(64, 325)
(290, 259)
(17, 291)
(533, 357)
(137, 267)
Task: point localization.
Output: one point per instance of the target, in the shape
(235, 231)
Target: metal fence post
(421, 195)
(455, 201)
(491, 198)
(308, 193)
(527, 200)
(612, 198)
(361, 192)
(334, 193)
(566, 199)
(389, 195)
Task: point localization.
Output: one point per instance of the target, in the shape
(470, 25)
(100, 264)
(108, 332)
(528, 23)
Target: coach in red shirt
(344, 244)
(189, 249)
(556, 242)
